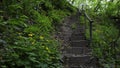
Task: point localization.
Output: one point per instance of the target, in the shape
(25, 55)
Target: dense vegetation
(106, 30)
(27, 30)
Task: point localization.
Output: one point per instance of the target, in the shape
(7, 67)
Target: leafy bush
(26, 32)
(104, 45)
(29, 52)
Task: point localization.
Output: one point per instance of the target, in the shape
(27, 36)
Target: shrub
(104, 43)
(26, 33)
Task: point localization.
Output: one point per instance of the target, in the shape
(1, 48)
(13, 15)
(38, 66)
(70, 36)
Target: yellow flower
(43, 46)
(20, 36)
(47, 48)
(33, 42)
(47, 40)
(41, 37)
(30, 35)
(52, 57)
(49, 51)
(19, 33)
(98, 31)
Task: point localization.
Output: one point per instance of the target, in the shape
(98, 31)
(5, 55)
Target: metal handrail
(90, 28)
(90, 21)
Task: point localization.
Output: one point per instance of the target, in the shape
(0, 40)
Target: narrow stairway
(76, 53)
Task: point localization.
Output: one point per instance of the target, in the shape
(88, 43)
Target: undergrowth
(27, 32)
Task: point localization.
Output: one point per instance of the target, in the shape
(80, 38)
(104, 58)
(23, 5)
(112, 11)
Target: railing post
(91, 32)
(90, 20)
(90, 28)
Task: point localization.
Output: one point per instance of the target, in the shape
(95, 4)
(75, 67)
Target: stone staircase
(77, 54)
(75, 50)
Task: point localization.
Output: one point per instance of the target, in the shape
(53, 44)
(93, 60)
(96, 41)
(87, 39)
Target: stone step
(68, 33)
(77, 51)
(80, 43)
(81, 66)
(85, 66)
(81, 26)
(78, 31)
(78, 60)
(78, 34)
(74, 50)
(75, 67)
(87, 51)
(81, 59)
(77, 37)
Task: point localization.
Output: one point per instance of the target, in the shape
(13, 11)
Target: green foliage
(57, 16)
(26, 32)
(31, 52)
(105, 44)
(106, 16)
